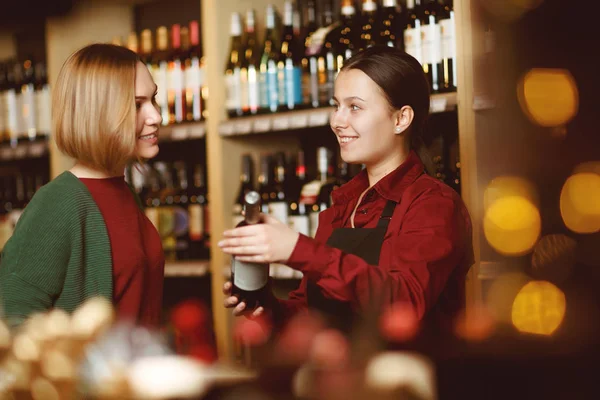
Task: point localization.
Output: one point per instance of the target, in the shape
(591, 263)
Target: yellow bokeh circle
(539, 308)
(549, 97)
(509, 10)
(580, 202)
(512, 225)
(504, 186)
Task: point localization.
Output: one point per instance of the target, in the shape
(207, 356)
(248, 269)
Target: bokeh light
(548, 97)
(554, 258)
(505, 186)
(476, 325)
(588, 166)
(512, 225)
(393, 370)
(539, 308)
(399, 322)
(580, 202)
(509, 10)
(502, 293)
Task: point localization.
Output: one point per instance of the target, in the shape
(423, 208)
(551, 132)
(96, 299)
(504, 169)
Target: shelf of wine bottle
(23, 150)
(183, 131)
(196, 268)
(317, 117)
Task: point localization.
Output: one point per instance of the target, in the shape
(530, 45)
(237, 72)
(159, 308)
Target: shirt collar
(390, 187)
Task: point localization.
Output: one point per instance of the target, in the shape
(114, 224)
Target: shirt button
(363, 211)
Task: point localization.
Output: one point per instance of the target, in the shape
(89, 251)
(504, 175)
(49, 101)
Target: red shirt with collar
(426, 253)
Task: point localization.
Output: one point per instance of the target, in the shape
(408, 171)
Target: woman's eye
(138, 105)
(354, 107)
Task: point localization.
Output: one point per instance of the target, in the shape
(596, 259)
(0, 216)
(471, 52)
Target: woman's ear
(402, 119)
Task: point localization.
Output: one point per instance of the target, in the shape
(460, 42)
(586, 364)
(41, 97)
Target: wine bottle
(390, 25)
(290, 74)
(265, 180)
(431, 45)
(250, 68)
(448, 47)
(368, 34)
(233, 102)
(269, 90)
(198, 211)
(27, 105)
(278, 206)
(349, 36)
(132, 42)
(246, 186)
(3, 116)
(309, 196)
(160, 65)
(310, 27)
(176, 91)
(412, 31)
(194, 74)
(10, 106)
(249, 280)
(181, 225)
(43, 102)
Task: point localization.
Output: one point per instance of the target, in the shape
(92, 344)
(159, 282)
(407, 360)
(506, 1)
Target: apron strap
(386, 215)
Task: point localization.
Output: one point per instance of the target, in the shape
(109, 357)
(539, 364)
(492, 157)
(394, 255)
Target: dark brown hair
(403, 82)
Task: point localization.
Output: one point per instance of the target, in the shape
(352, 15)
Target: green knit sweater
(59, 254)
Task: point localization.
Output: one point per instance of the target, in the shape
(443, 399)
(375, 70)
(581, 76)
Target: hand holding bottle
(239, 307)
(269, 242)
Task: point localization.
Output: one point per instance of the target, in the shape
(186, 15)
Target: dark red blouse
(425, 256)
(137, 254)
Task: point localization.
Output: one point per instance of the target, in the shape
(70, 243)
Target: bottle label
(12, 119)
(263, 89)
(412, 42)
(2, 116)
(196, 221)
(28, 112)
(317, 39)
(234, 92)
(43, 109)
(244, 89)
(293, 85)
(272, 87)
(253, 89)
(175, 76)
(299, 223)
(192, 74)
(314, 81)
(279, 210)
(249, 276)
(447, 38)
(431, 43)
(310, 192)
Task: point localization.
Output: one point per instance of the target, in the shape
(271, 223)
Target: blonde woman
(84, 233)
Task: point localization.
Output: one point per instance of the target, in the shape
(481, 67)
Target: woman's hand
(238, 308)
(269, 242)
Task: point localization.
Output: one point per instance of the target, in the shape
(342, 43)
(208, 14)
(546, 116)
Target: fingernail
(220, 244)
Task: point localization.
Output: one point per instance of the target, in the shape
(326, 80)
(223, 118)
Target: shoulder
(432, 190)
(62, 198)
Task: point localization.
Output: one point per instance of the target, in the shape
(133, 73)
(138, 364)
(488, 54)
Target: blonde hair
(94, 115)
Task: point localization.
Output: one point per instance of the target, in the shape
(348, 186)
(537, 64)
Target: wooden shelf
(23, 150)
(300, 119)
(195, 268)
(183, 131)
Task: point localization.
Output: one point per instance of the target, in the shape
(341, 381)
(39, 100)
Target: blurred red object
(297, 337)
(399, 323)
(252, 332)
(330, 349)
(193, 331)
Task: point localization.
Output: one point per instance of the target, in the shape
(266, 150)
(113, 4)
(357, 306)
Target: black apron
(361, 242)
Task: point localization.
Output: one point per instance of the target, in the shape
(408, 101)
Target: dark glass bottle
(249, 280)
